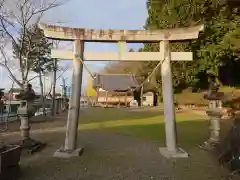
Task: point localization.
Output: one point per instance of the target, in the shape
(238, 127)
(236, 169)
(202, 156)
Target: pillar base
(30, 146)
(209, 145)
(180, 153)
(61, 153)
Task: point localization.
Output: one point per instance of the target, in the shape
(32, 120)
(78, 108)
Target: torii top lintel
(110, 35)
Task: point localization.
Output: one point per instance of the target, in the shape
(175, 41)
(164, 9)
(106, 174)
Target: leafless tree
(16, 16)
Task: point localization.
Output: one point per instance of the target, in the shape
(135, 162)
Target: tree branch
(11, 74)
(50, 6)
(62, 73)
(26, 13)
(33, 78)
(5, 65)
(4, 28)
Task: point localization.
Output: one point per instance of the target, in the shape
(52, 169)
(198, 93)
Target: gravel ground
(112, 156)
(109, 156)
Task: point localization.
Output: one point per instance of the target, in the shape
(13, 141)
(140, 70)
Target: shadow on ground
(12, 173)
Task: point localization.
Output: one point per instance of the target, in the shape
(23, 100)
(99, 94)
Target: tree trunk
(24, 83)
(42, 95)
(64, 99)
(54, 87)
(141, 96)
(64, 95)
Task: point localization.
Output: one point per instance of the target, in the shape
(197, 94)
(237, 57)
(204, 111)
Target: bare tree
(55, 78)
(64, 95)
(16, 17)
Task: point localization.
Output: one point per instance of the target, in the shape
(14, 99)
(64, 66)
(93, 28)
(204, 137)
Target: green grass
(98, 114)
(189, 133)
(149, 125)
(113, 117)
(187, 97)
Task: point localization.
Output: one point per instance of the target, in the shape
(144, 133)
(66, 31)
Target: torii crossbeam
(81, 35)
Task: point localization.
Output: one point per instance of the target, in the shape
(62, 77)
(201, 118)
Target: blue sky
(120, 14)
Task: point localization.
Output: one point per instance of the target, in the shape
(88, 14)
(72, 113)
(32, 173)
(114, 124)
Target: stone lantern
(215, 113)
(25, 111)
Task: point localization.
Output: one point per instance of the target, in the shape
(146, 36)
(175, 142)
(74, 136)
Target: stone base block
(180, 153)
(209, 145)
(29, 145)
(61, 153)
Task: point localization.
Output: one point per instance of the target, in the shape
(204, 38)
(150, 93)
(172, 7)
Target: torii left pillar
(70, 146)
(171, 150)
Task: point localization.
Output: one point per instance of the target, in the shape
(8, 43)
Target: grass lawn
(148, 124)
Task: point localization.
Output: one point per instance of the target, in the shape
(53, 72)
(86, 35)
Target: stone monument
(25, 111)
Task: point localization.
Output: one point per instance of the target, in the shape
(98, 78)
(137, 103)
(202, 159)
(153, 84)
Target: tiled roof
(115, 82)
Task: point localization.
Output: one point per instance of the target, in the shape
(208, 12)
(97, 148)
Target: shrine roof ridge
(114, 35)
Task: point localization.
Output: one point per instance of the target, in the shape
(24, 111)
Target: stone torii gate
(80, 35)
